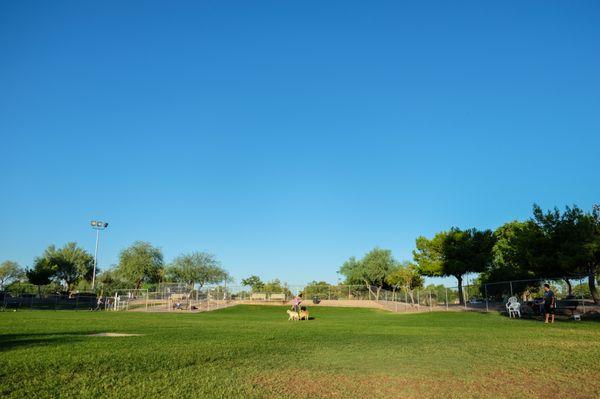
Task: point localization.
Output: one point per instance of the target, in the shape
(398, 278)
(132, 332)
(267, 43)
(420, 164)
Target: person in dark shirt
(549, 303)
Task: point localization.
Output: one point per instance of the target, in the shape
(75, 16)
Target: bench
(567, 304)
(258, 297)
(277, 297)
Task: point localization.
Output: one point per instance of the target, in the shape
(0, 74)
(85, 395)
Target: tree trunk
(370, 288)
(569, 286)
(412, 297)
(138, 284)
(592, 284)
(461, 298)
(378, 291)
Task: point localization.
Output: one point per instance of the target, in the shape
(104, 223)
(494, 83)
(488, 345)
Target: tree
(574, 242)
(276, 287)
(140, 263)
(371, 270)
(9, 270)
(254, 282)
(406, 276)
(454, 253)
(71, 262)
(41, 274)
(519, 253)
(197, 268)
(319, 289)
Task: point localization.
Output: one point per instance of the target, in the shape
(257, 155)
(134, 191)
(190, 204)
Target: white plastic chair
(513, 307)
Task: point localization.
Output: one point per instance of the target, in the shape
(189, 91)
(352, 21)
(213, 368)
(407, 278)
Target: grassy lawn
(253, 351)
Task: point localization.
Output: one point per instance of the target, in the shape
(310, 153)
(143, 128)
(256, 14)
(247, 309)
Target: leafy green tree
(519, 253)
(140, 263)
(454, 253)
(320, 289)
(253, 282)
(276, 287)
(41, 274)
(197, 268)
(9, 271)
(72, 263)
(406, 277)
(110, 281)
(372, 270)
(574, 237)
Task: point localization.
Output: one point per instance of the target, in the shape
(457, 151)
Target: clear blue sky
(286, 136)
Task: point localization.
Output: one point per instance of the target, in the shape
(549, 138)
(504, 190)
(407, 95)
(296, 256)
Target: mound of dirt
(108, 334)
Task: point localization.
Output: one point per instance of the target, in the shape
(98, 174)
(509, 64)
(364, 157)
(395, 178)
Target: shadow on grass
(14, 341)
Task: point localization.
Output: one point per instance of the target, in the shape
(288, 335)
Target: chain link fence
(572, 297)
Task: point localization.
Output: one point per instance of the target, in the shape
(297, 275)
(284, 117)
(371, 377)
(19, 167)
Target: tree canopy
(197, 268)
(372, 270)
(572, 243)
(140, 263)
(42, 273)
(455, 253)
(71, 263)
(9, 271)
(254, 282)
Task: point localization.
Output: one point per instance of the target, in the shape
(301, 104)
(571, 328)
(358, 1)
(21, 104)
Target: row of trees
(550, 245)
(70, 267)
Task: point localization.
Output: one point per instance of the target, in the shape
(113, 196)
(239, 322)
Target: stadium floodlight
(97, 225)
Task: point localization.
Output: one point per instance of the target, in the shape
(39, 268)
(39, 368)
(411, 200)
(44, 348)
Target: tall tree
(72, 263)
(9, 271)
(519, 253)
(197, 268)
(454, 253)
(140, 263)
(41, 274)
(574, 242)
(371, 270)
(254, 282)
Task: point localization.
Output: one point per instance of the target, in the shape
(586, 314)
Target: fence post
(511, 291)
(418, 300)
(464, 298)
(396, 301)
(582, 299)
(487, 309)
(329, 291)
(77, 302)
(348, 292)
(446, 297)
(430, 304)
(147, 293)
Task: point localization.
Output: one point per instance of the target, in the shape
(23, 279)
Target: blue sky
(285, 137)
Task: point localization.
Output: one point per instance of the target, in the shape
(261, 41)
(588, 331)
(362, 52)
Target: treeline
(141, 265)
(550, 245)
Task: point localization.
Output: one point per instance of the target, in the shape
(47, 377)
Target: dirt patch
(108, 334)
(303, 384)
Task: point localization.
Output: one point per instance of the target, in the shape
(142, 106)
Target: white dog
(293, 315)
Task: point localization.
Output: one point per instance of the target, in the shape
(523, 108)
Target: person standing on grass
(296, 303)
(549, 303)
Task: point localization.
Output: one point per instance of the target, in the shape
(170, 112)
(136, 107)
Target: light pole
(97, 225)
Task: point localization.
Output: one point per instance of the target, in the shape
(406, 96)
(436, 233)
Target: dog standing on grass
(293, 315)
(303, 314)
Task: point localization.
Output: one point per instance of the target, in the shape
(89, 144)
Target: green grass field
(253, 351)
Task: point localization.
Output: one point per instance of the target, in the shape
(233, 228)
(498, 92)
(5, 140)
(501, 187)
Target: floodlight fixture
(97, 225)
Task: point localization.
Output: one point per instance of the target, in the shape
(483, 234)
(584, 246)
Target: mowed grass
(253, 351)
